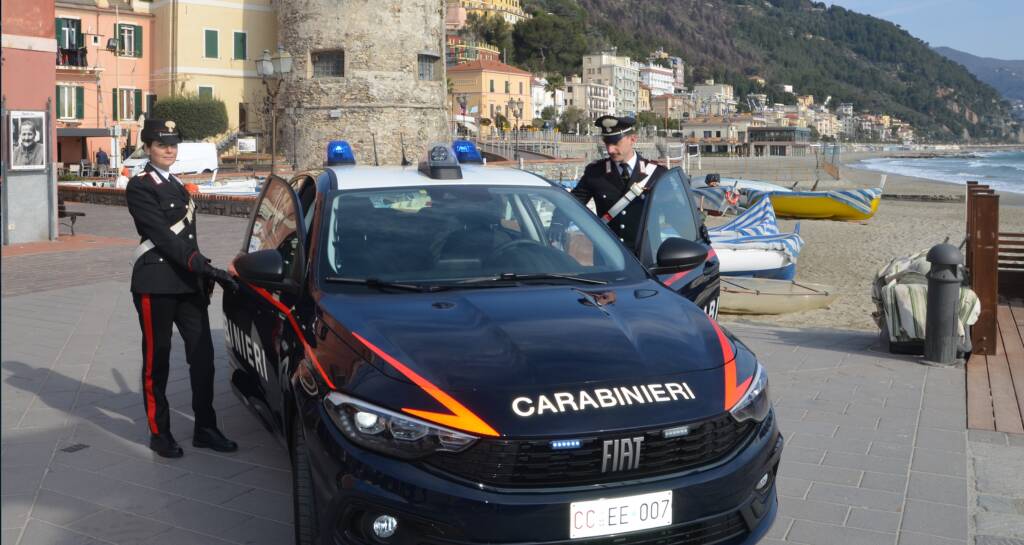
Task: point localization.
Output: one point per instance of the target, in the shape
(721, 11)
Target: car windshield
(467, 235)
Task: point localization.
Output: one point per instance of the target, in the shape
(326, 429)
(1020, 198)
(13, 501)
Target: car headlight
(755, 404)
(389, 432)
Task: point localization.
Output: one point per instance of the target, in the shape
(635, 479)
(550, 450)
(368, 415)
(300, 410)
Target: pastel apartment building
(102, 77)
(488, 86)
(209, 48)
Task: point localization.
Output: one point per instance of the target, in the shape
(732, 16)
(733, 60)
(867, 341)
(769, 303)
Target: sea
(1000, 170)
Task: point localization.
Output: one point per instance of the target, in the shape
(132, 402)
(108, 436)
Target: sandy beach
(846, 255)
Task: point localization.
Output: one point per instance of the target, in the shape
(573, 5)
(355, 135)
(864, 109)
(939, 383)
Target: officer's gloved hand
(227, 283)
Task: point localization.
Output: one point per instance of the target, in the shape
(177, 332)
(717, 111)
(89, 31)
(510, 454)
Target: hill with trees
(1007, 77)
(819, 50)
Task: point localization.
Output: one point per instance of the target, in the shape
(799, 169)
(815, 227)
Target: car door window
(669, 214)
(276, 225)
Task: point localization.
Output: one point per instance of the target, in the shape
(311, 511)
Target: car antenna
(401, 141)
(373, 136)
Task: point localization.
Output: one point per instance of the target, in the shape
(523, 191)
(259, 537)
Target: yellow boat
(849, 204)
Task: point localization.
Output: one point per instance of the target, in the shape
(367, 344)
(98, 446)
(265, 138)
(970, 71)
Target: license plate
(608, 516)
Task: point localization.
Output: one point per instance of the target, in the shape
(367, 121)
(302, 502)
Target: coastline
(846, 255)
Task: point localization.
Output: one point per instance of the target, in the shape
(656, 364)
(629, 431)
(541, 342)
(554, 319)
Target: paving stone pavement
(877, 451)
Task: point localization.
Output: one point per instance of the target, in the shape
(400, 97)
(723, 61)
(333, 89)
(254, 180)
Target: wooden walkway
(995, 383)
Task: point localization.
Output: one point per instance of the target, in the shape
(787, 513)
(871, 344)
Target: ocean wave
(1001, 176)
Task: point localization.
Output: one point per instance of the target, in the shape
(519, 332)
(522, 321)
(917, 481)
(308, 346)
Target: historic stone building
(363, 71)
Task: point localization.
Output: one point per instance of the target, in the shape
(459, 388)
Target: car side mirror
(263, 268)
(678, 254)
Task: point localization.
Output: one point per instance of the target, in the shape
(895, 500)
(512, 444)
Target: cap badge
(170, 125)
(609, 122)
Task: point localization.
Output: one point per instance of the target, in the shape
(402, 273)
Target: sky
(986, 28)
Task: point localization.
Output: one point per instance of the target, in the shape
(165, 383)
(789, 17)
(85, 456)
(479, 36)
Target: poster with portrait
(27, 137)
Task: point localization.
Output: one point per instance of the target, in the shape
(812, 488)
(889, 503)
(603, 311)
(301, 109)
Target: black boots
(212, 438)
(165, 445)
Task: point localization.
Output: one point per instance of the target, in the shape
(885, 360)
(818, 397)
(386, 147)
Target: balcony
(74, 61)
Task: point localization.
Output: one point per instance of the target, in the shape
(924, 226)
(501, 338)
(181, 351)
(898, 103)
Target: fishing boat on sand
(770, 296)
(838, 204)
(752, 245)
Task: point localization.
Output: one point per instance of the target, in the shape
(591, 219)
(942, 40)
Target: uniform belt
(177, 228)
(633, 192)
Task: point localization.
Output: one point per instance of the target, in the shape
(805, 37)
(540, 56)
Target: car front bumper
(353, 487)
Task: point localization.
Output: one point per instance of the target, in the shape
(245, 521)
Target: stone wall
(380, 95)
(220, 205)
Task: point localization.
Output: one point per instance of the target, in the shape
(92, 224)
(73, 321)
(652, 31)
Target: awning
(81, 132)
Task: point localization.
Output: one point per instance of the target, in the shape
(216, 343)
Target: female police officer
(171, 284)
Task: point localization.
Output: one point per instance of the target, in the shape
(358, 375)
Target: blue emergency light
(339, 152)
(466, 152)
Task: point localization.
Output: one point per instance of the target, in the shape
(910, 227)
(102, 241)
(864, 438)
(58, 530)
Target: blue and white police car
(449, 365)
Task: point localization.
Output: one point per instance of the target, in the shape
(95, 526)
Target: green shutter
(59, 102)
(79, 102)
(117, 36)
(138, 41)
(113, 114)
(59, 29)
(240, 52)
(210, 40)
(138, 103)
(79, 38)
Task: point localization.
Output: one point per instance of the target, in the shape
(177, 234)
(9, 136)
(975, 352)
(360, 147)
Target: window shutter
(79, 38)
(113, 114)
(211, 44)
(138, 103)
(79, 102)
(138, 41)
(60, 33)
(120, 44)
(60, 103)
(240, 52)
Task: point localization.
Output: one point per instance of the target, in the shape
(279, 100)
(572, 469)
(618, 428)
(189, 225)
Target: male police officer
(620, 180)
(171, 285)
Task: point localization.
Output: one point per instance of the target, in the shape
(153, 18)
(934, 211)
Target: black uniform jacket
(602, 182)
(172, 266)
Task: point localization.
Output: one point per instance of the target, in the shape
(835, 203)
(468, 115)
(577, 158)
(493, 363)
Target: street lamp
(515, 107)
(273, 69)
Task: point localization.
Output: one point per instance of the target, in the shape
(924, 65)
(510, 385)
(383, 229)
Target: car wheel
(303, 501)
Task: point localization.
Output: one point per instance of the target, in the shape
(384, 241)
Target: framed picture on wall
(27, 137)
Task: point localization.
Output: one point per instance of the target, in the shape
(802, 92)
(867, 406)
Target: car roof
(383, 177)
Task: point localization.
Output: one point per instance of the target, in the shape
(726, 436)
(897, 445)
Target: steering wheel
(513, 244)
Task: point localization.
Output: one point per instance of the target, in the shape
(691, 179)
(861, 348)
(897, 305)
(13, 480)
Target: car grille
(533, 463)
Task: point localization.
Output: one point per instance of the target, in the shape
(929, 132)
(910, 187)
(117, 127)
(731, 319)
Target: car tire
(303, 500)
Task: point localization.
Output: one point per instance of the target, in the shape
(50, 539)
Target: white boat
(757, 262)
(768, 296)
(757, 185)
(246, 187)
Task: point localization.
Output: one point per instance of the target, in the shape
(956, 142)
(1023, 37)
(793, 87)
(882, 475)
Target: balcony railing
(72, 58)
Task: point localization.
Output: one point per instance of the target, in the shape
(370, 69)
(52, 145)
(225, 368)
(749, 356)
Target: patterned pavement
(877, 451)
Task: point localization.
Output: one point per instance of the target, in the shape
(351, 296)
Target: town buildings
(459, 10)
(658, 79)
(210, 49)
(607, 68)
(104, 78)
(488, 86)
(595, 99)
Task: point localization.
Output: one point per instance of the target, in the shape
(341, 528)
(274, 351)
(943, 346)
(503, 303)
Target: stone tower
(363, 69)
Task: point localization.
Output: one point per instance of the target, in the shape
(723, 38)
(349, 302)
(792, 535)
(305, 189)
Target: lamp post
(515, 107)
(273, 69)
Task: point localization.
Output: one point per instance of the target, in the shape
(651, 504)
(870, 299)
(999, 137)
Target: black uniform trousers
(157, 314)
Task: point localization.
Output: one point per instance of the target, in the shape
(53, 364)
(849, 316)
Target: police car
(445, 368)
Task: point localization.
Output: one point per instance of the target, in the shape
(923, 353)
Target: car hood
(499, 351)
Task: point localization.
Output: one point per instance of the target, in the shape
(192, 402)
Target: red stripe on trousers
(147, 332)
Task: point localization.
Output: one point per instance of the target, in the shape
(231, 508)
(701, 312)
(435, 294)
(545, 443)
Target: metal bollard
(943, 299)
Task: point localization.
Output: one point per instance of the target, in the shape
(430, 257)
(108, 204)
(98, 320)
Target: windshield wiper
(377, 283)
(516, 277)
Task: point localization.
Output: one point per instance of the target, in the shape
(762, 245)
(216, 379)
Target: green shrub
(197, 118)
